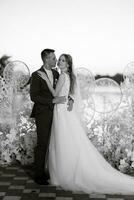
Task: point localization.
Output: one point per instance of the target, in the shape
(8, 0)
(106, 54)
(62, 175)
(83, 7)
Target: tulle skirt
(74, 162)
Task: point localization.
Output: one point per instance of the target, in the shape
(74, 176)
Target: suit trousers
(43, 124)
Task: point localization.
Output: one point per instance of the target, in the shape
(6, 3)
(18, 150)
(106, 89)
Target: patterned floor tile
(21, 178)
(16, 183)
(63, 194)
(12, 198)
(14, 192)
(2, 194)
(79, 198)
(64, 198)
(17, 187)
(47, 195)
(2, 183)
(12, 168)
(31, 191)
(8, 175)
(115, 198)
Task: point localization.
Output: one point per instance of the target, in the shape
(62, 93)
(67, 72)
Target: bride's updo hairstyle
(72, 76)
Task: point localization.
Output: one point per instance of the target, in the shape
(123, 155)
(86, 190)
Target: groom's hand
(61, 99)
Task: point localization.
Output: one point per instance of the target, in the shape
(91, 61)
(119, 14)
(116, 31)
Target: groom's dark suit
(43, 114)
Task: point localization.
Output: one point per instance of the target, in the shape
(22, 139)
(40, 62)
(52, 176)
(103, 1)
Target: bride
(74, 162)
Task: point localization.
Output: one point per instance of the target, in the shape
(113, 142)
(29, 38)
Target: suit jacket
(40, 93)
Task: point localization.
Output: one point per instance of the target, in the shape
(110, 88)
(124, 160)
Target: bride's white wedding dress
(74, 163)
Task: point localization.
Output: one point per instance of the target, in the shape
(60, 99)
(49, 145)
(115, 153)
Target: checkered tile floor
(16, 184)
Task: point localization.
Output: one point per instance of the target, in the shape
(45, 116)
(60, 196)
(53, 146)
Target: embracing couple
(73, 162)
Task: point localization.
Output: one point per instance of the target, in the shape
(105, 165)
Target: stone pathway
(16, 184)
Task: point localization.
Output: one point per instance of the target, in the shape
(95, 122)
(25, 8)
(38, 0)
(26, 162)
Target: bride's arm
(59, 85)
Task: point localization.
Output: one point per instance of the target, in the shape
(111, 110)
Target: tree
(4, 60)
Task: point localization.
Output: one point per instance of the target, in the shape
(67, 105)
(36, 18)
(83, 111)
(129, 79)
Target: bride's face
(62, 63)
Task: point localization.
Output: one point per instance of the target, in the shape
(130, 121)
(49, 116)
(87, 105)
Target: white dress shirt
(50, 75)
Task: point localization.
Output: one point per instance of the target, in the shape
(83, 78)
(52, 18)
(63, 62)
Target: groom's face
(51, 60)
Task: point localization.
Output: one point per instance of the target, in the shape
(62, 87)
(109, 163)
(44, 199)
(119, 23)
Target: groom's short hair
(46, 52)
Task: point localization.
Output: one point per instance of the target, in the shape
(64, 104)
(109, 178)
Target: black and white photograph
(66, 99)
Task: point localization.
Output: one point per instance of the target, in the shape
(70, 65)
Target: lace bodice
(65, 88)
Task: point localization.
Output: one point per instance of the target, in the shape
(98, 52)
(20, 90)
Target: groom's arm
(59, 100)
(35, 93)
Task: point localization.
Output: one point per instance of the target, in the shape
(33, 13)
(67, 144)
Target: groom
(43, 111)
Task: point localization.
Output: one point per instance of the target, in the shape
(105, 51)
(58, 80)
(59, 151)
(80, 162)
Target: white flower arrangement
(112, 136)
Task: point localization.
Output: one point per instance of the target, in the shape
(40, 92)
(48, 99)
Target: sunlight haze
(99, 34)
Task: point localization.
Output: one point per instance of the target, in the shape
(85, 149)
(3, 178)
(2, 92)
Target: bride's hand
(70, 105)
